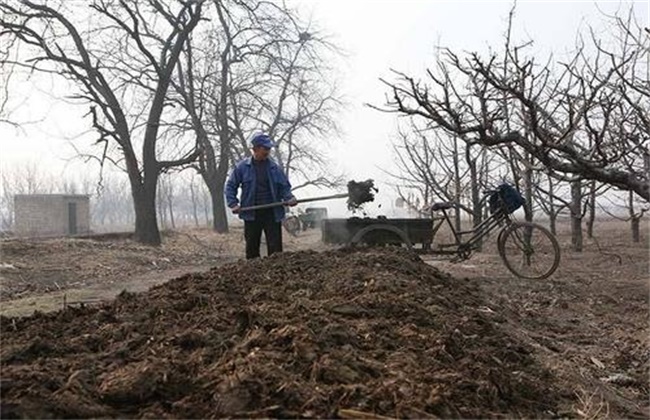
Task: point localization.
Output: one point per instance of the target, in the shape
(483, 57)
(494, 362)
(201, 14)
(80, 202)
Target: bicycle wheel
(529, 250)
(292, 225)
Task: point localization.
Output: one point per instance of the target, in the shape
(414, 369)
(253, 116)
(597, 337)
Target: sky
(377, 36)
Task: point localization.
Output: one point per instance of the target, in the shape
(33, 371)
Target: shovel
(284, 203)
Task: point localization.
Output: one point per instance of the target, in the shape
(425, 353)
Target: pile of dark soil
(342, 333)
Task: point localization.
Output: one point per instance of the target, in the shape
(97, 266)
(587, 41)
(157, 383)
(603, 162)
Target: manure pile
(344, 333)
(360, 193)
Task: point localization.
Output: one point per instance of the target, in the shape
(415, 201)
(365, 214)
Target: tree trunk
(458, 218)
(636, 234)
(194, 204)
(457, 187)
(220, 174)
(219, 215)
(220, 219)
(477, 214)
(591, 218)
(146, 223)
(215, 177)
(576, 216)
(476, 199)
(528, 190)
(552, 214)
(635, 219)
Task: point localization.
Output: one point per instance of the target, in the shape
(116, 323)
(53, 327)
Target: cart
(411, 233)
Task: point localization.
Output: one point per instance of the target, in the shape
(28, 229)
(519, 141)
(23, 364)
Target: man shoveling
(265, 192)
(262, 182)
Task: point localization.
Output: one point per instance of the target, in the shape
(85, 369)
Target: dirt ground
(333, 333)
(49, 274)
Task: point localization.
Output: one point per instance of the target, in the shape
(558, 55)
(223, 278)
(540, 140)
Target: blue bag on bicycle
(506, 197)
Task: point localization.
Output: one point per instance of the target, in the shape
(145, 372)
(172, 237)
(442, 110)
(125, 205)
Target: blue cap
(262, 140)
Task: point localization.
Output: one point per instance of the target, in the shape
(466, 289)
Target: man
(262, 181)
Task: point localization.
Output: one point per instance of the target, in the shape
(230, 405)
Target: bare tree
(300, 107)
(255, 68)
(416, 179)
(450, 104)
(636, 213)
(111, 204)
(194, 199)
(549, 199)
(442, 167)
(626, 208)
(122, 67)
(166, 200)
(556, 106)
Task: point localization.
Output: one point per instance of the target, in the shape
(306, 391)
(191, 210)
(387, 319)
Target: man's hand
(235, 209)
(292, 202)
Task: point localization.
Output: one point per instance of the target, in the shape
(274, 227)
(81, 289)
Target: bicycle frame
(463, 248)
(522, 258)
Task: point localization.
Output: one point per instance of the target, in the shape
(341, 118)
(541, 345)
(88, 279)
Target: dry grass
(590, 405)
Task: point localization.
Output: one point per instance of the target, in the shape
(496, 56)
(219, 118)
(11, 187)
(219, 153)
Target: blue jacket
(244, 176)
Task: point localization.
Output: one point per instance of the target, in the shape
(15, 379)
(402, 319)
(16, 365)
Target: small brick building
(51, 214)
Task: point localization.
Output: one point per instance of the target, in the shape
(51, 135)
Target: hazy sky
(378, 35)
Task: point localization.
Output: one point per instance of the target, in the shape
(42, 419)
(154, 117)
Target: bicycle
(527, 249)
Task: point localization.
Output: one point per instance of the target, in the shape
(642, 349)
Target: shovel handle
(284, 203)
(263, 206)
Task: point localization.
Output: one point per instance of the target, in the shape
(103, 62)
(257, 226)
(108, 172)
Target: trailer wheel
(381, 234)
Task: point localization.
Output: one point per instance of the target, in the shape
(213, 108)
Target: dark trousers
(264, 221)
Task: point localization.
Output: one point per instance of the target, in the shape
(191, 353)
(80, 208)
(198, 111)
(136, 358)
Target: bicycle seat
(442, 206)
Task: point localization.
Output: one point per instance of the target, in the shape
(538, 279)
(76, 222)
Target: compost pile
(344, 333)
(360, 193)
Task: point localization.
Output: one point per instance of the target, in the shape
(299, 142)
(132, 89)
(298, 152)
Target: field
(320, 331)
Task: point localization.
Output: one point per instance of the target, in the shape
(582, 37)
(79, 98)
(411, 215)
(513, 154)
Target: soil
(360, 193)
(323, 332)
